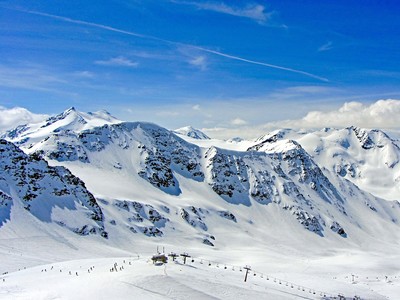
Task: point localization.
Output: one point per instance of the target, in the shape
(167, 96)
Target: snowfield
(314, 214)
(136, 277)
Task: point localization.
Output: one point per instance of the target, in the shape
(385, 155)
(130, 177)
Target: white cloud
(84, 74)
(196, 107)
(325, 47)
(199, 62)
(12, 117)
(255, 12)
(238, 122)
(117, 61)
(383, 114)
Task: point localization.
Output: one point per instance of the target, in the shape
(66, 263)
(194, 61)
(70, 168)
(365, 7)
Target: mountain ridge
(273, 172)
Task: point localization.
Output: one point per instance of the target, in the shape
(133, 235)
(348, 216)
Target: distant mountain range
(96, 175)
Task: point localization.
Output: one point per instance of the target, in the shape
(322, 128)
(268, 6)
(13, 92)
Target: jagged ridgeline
(182, 183)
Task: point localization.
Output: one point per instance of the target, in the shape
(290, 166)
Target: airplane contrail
(260, 63)
(144, 36)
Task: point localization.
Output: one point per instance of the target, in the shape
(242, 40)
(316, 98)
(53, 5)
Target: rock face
(46, 191)
(161, 151)
(281, 173)
(194, 217)
(142, 218)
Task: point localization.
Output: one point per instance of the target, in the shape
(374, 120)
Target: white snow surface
(286, 204)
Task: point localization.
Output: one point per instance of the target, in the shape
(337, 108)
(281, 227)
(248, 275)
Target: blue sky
(213, 64)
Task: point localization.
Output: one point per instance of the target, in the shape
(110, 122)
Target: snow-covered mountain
(70, 120)
(368, 158)
(192, 132)
(298, 192)
(274, 172)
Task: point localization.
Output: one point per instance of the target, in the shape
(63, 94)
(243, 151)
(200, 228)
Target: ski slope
(136, 277)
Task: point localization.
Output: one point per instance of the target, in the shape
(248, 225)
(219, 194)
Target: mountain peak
(72, 108)
(69, 120)
(191, 132)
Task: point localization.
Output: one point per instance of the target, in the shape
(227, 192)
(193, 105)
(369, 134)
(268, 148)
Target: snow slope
(51, 194)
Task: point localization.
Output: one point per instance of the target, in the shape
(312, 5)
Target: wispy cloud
(12, 117)
(84, 74)
(238, 122)
(29, 77)
(177, 44)
(325, 47)
(199, 62)
(255, 12)
(119, 61)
